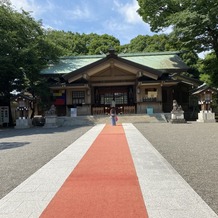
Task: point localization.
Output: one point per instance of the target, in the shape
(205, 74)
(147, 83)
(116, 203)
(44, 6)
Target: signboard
(73, 112)
(4, 114)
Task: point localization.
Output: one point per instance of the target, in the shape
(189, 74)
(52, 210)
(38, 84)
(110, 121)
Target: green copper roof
(159, 61)
(69, 64)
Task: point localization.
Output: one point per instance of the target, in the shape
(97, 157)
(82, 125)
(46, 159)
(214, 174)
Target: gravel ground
(192, 149)
(24, 151)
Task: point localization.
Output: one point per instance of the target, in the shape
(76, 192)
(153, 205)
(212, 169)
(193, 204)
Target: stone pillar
(50, 121)
(206, 117)
(177, 117)
(22, 123)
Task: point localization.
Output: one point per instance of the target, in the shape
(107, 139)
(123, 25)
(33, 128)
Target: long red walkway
(104, 183)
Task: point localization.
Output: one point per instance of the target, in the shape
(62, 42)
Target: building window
(120, 98)
(107, 98)
(78, 97)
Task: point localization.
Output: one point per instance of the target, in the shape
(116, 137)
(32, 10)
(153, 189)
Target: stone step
(99, 119)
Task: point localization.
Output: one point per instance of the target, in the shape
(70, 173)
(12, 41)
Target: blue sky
(114, 17)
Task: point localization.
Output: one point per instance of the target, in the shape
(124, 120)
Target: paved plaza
(177, 162)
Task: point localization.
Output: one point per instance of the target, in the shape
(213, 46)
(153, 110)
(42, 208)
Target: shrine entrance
(167, 99)
(123, 97)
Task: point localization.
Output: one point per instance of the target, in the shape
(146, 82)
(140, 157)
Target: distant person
(113, 104)
(113, 116)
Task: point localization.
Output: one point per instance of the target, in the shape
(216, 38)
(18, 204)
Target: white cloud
(124, 31)
(118, 17)
(115, 25)
(128, 11)
(80, 12)
(22, 4)
(32, 6)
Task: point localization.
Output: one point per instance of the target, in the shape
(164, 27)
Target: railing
(129, 110)
(98, 110)
(149, 99)
(120, 110)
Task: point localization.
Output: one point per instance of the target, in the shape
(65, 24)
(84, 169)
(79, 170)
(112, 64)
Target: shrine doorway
(123, 97)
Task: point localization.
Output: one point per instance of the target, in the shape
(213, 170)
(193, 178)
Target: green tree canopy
(155, 43)
(72, 44)
(24, 51)
(98, 44)
(194, 23)
(208, 68)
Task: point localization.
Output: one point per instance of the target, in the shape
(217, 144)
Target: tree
(24, 51)
(98, 44)
(70, 44)
(155, 43)
(73, 44)
(209, 70)
(193, 23)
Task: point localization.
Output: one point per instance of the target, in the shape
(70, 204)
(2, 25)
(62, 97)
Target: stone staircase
(99, 119)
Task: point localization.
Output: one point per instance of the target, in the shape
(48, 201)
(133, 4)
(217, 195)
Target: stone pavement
(105, 119)
(165, 192)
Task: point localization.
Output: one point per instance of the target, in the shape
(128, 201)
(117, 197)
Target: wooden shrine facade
(136, 82)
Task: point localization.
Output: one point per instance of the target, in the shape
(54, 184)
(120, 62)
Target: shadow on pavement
(12, 132)
(10, 145)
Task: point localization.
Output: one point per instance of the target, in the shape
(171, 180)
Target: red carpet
(104, 183)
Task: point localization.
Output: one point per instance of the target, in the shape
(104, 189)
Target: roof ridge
(148, 53)
(121, 55)
(82, 56)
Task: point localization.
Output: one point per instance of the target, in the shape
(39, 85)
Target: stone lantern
(205, 99)
(22, 111)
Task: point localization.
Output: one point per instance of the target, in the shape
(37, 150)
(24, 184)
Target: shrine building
(137, 83)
